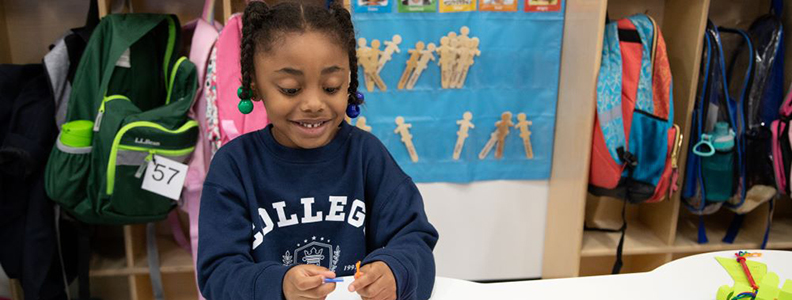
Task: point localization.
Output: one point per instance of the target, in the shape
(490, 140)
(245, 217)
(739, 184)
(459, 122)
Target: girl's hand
(376, 282)
(307, 282)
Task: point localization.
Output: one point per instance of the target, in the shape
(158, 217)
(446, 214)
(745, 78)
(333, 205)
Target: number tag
(165, 177)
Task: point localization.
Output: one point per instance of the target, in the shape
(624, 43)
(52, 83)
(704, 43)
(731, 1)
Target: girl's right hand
(307, 282)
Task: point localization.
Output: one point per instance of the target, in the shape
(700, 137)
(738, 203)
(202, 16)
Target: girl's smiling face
(303, 80)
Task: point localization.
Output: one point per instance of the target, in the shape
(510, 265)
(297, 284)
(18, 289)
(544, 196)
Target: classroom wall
(488, 230)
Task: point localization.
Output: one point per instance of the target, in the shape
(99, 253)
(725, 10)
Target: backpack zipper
(144, 165)
(100, 114)
(173, 78)
(150, 157)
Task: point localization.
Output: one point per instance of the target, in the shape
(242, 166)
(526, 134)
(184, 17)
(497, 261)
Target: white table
(695, 277)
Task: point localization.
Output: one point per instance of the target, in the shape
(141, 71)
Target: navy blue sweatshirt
(266, 208)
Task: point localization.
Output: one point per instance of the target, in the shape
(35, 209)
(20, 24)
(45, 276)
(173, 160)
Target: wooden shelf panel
(108, 266)
(108, 253)
(602, 265)
(173, 259)
(686, 240)
(638, 240)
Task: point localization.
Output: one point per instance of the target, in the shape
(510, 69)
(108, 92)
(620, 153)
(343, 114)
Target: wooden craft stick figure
(452, 38)
(473, 51)
(404, 130)
(371, 66)
(490, 143)
(464, 31)
(426, 55)
(390, 47)
(462, 134)
(363, 54)
(525, 134)
(361, 123)
(462, 58)
(446, 62)
(498, 137)
(503, 130)
(411, 63)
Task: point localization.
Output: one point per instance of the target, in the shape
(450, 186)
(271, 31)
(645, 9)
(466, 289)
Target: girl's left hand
(376, 282)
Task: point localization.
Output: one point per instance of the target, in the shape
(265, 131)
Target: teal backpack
(129, 102)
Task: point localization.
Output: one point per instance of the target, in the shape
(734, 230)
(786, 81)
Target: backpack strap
(740, 105)
(692, 192)
(769, 224)
(609, 87)
(776, 128)
(84, 233)
(208, 13)
(646, 30)
(153, 262)
(61, 263)
(619, 249)
(735, 114)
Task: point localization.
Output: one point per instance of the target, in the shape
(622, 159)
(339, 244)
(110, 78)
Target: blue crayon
(329, 280)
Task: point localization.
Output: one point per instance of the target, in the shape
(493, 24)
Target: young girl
(309, 196)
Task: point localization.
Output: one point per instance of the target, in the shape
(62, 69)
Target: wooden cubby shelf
(173, 259)
(636, 241)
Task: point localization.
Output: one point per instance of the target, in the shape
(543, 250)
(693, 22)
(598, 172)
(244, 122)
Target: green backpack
(129, 102)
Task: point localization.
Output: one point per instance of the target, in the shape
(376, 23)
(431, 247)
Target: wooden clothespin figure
(361, 123)
(490, 144)
(503, 130)
(411, 63)
(464, 52)
(525, 134)
(498, 137)
(390, 47)
(426, 55)
(447, 60)
(472, 51)
(462, 134)
(452, 38)
(373, 62)
(462, 58)
(403, 129)
(363, 54)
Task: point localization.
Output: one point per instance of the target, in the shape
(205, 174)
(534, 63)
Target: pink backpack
(230, 122)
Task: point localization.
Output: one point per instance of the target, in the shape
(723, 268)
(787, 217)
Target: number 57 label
(165, 177)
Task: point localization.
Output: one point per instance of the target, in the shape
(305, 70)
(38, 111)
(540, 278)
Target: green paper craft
(758, 270)
(767, 281)
(786, 291)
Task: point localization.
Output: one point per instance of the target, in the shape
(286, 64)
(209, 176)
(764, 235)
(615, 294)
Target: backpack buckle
(628, 158)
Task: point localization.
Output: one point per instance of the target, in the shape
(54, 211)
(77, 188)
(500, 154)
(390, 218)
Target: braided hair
(262, 24)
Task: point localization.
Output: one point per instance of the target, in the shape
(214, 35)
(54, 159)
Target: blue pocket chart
(517, 71)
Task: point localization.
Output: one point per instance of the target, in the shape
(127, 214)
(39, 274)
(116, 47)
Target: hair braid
(344, 19)
(252, 20)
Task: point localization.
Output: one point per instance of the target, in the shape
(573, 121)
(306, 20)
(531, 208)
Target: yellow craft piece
(767, 292)
(786, 291)
(735, 270)
(724, 293)
(771, 279)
